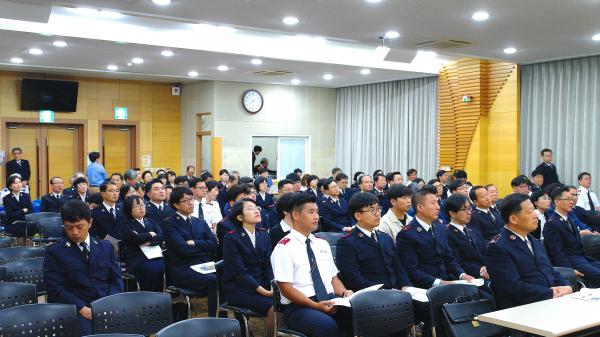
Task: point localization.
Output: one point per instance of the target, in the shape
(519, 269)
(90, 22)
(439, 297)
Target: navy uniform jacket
(272, 217)
(266, 202)
(71, 278)
(346, 194)
(335, 217)
(51, 204)
(310, 191)
(581, 214)
(223, 228)
(14, 209)
(77, 196)
(153, 213)
(519, 277)
(104, 223)
(424, 258)
(364, 262)
(485, 224)
(563, 243)
(176, 233)
(69, 191)
(469, 251)
(276, 234)
(24, 170)
(246, 267)
(132, 241)
(222, 199)
(535, 188)
(549, 172)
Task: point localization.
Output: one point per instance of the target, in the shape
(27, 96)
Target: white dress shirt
(583, 200)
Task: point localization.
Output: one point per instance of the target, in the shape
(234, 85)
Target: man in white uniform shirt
(587, 199)
(304, 269)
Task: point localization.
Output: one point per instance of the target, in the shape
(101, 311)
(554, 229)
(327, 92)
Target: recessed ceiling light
(167, 53)
(87, 11)
(373, 0)
(59, 43)
(226, 30)
(111, 14)
(510, 50)
(16, 60)
(193, 73)
(427, 54)
(223, 68)
(35, 51)
(295, 81)
(365, 71)
(596, 37)
(162, 2)
(290, 20)
(112, 67)
(480, 16)
(256, 61)
(328, 77)
(318, 40)
(137, 60)
(392, 35)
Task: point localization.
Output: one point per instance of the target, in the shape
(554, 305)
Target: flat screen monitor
(58, 96)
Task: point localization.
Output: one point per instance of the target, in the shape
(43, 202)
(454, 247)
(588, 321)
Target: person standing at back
(20, 166)
(548, 169)
(95, 173)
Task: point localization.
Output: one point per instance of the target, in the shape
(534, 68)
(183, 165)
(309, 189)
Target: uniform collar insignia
(177, 218)
(561, 219)
(68, 244)
(513, 237)
(243, 234)
(102, 210)
(419, 229)
(360, 235)
(96, 242)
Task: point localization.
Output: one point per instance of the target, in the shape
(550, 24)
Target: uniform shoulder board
(473, 229)
(407, 228)
(324, 201)
(284, 241)
(222, 188)
(447, 226)
(53, 244)
(347, 235)
(272, 206)
(495, 239)
(261, 229)
(540, 165)
(551, 219)
(222, 221)
(168, 218)
(320, 237)
(440, 221)
(46, 195)
(233, 231)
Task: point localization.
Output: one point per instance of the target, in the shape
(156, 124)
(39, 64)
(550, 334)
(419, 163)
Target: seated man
(307, 276)
(423, 247)
(54, 201)
(221, 197)
(484, 220)
(80, 269)
(190, 241)
(396, 218)
(519, 185)
(537, 179)
(334, 211)
(156, 208)
(365, 184)
(285, 186)
(380, 184)
(284, 227)
(108, 215)
(366, 257)
(433, 189)
(579, 211)
(345, 192)
(517, 263)
(563, 242)
(296, 181)
(234, 194)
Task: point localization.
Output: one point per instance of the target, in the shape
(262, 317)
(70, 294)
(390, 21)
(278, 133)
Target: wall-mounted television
(58, 96)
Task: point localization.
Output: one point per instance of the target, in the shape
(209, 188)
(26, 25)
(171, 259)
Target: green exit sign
(46, 116)
(120, 113)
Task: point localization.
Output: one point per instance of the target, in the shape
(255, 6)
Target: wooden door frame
(135, 137)
(199, 134)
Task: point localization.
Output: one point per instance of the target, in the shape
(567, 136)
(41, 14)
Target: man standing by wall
(95, 173)
(548, 169)
(20, 166)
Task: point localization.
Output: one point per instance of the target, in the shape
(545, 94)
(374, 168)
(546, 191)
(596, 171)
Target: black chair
(331, 237)
(41, 319)
(34, 217)
(127, 277)
(5, 242)
(381, 312)
(12, 254)
(170, 289)
(593, 218)
(49, 230)
(591, 245)
(116, 335)
(2, 273)
(333, 252)
(445, 293)
(569, 274)
(278, 308)
(15, 294)
(245, 312)
(140, 312)
(202, 327)
(3, 222)
(27, 271)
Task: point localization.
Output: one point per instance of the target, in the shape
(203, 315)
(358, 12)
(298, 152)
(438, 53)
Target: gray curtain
(560, 104)
(390, 126)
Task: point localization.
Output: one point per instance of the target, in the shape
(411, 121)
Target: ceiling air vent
(273, 73)
(442, 44)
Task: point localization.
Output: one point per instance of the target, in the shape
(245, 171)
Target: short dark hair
(536, 173)
(341, 176)
(233, 192)
(223, 171)
(512, 205)
(188, 168)
(179, 180)
(518, 181)
(335, 169)
(206, 175)
(297, 204)
(238, 209)
(195, 182)
(432, 181)
(360, 200)
(473, 192)
(178, 194)
(283, 202)
(455, 203)
(419, 197)
(105, 184)
(161, 170)
(161, 176)
(320, 182)
(17, 149)
(311, 178)
(399, 191)
(262, 170)
(487, 187)
(128, 204)
(460, 174)
(376, 177)
(582, 174)
(557, 193)
(245, 180)
(430, 188)
(535, 196)
(283, 182)
(95, 198)
(136, 169)
(52, 179)
(552, 187)
(377, 172)
(124, 189)
(257, 148)
(326, 184)
(232, 178)
(360, 178)
(546, 150)
(410, 171)
(356, 174)
(210, 185)
(171, 173)
(150, 183)
(259, 180)
(117, 174)
(75, 210)
(146, 172)
(390, 176)
(455, 185)
(94, 156)
(293, 177)
(440, 173)
(297, 171)
(78, 181)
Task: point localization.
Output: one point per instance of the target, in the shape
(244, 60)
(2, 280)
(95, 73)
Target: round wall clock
(252, 101)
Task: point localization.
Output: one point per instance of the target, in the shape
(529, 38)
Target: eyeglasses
(202, 188)
(186, 201)
(140, 206)
(373, 210)
(523, 186)
(112, 191)
(367, 182)
(252, 208)
(465, 209)
(464, 188)
(567, 199)
(545, 198)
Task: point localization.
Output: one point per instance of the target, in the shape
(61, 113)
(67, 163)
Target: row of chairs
(49, 227)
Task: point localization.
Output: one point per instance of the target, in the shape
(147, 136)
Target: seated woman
(125, 192)
(16, 205)
(210, 206)
(137, 232)
(263, 199)
(81, 189)
(247, 258)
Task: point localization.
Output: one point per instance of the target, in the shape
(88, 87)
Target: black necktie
(19, 163)
(431, 232)
(112, 212)
(493, 217)
(160, 209)
(320, 290)
(374, 237)
(189, 221)
(85, 250)
(592, 208)
(57, 197)
(571, 227)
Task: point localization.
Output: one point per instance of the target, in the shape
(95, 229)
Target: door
(62, 160)
(117, 148)
(27, 137)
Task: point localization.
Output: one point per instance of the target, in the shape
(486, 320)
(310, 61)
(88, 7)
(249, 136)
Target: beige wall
(288, 110)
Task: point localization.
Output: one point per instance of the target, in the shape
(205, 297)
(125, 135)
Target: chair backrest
(446, 293)
(3, 218)
(569, 274)
(142, 312)
(115, 335)
(41, 319)
(591, 245)
(2, 273)
(203, 327)
(12, 254)
(593, 218)
(333, 252)
(5, 242)
(277, 307)
(51, 227)
(381, 312)
(15, 294)
(27, 271)
(121, 253)
(40, 215)
(331, 237)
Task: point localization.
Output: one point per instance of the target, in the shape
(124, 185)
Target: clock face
(252, 101)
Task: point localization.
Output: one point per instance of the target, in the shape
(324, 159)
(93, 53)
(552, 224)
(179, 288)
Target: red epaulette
(222, 189)
(447, 226)
(324, 201)
(53, 244)
(262, 229)
(551, 219)
(347, 235)
(473, 229)
(540, 164)
(233, 231)
(224, 219)
(168, 218)
(272, 206)
(495, 239)
(284, 241)
(407, 228)
(320, 237)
